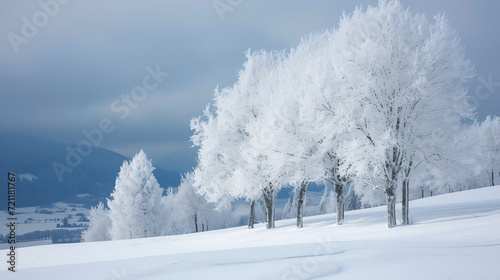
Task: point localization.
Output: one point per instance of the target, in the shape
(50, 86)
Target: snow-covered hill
(454, 236)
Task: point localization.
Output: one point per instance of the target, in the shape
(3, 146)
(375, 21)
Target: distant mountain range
(32, 159)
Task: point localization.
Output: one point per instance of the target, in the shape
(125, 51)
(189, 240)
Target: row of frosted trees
(137, 207)
(380, 101)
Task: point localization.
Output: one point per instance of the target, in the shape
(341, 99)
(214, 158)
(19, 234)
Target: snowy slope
(454, 236)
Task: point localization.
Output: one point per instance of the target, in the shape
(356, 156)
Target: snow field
(454, 236)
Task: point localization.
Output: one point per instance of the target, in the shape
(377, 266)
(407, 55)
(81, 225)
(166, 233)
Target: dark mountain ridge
(35, 160)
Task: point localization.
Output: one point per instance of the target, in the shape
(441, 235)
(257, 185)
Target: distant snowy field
(28, 220)
(453, 236)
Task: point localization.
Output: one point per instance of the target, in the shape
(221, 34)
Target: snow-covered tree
(287, 209)
(234, 158)
(290, 210)
(135, 207)
(400, 76)
(327, 203)
(488, 147)
(169, 222)
(99, 226)
(319, 114)
(191, 205)
(185, 211)
(353, 201)
(365, 102)
(297, 140)
(454, 167)
(260, 137)
(336, 177)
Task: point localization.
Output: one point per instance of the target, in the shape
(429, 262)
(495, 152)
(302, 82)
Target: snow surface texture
(453, 236)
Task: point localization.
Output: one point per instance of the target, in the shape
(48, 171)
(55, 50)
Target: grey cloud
(65, 79)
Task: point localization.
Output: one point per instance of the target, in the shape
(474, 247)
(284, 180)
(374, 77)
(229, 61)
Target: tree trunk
(391, 206)
(492, 178)
(269, 201)
(300, 203)
(264, 209)
(406, 201)
(196, 222)
(251, 219)
(340, 192)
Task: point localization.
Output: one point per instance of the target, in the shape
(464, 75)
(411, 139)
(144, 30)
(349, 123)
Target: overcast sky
(63, 75)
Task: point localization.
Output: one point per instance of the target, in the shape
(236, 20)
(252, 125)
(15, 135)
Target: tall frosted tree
(317, 115)
(135, 206)
(234, 158)
(297, 139)
(400, 75)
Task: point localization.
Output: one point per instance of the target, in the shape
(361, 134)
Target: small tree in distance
(489, 148)
(99, 226)
(192, 206)
(327, 204)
